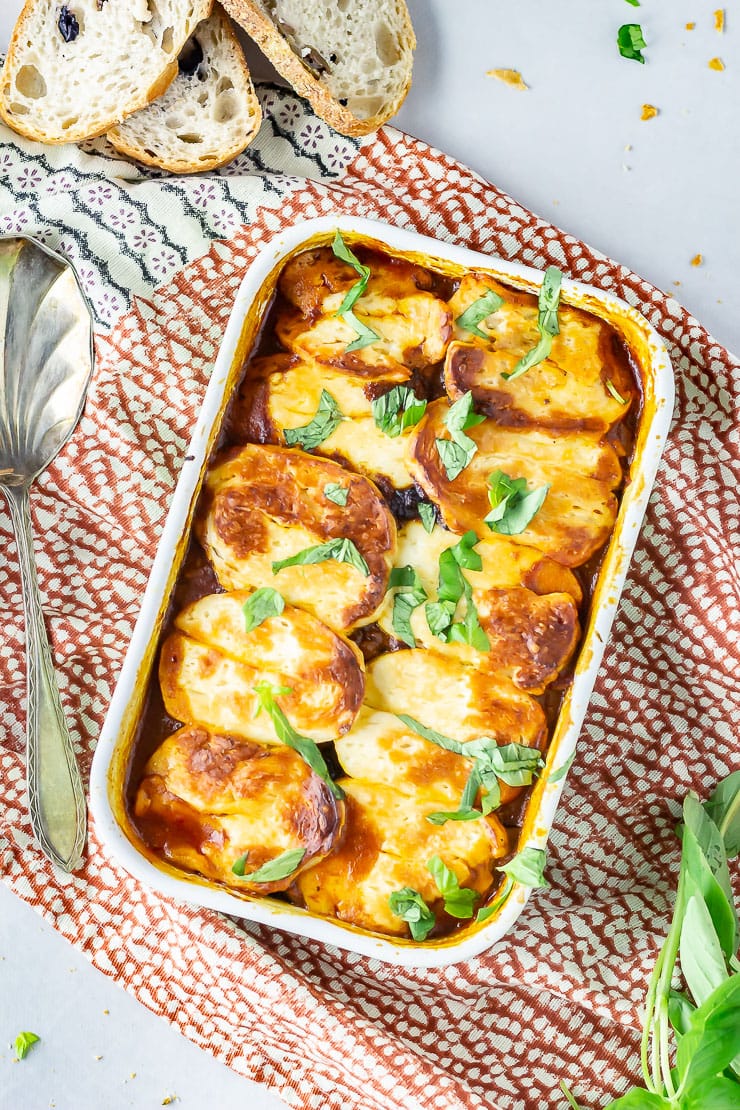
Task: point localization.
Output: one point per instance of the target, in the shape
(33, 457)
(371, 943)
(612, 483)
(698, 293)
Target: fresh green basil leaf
(639, 1099)
(260, 606)
(459, 901)
(279, 868)
(23, 1042)
(723, 807)
(404, 604)
(714, 1094)
(515, 764)
(428, 515)
(533, 357)
(527, 867)
(563, 769)
(405, 578)
(713, 1040)
(365, 335)
(631, 42)
(344, 254)
(441, 817)
(327, 419)
(680, 1010)
(634, 3)
(470, 793)
(306, 748)
(429, 734)
(340, 549)
(548, 302)
(611, 388)
(409, 905)
(239, 865)
(491, 796)
(397, 410)
(454, 457)
(439, 615)
(457, 453)
(702, 961)
(478, 311)
(463, 554)
(716, 895)
(461, 416)
(487, 911)
(337, 493)
(512, 508)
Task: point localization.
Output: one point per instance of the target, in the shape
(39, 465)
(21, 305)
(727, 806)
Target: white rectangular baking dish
(108, 769)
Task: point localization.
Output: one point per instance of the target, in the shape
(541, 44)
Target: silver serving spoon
(46, 358)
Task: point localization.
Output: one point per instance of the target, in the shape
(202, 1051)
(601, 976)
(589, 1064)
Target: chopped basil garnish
(527, 867)
(337, 493)
(23, 1042)
(428, 515)
(275, 869)
(453, 586)
(341, 550)
(397, 410)
(457, 453)
(547, 323)
(306, 748)
(239, 865)
(327, 419)
(344, 254)
(613, 390)
(630, 41)
(365, 335)
(512, 507)
(478, 311)
(486, 911)
(562, 770)
(465, 812)
(429, 734)
(411, 594)
(263, 604)
(458, 900)
(409, 905)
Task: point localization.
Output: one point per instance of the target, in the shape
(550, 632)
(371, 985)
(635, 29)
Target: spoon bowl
(46, 359)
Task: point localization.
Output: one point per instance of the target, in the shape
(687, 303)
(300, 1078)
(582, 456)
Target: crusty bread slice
(207, 116)
(350, 58)
(74, 70)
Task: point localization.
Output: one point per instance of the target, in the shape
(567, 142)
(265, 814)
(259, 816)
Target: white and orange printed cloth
(161, 259)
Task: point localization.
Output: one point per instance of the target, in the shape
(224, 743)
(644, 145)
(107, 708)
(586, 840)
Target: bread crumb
(690, 26)
(169, 1099)
(629, 146)
(677, 283)
(649, 111)
(719, 20)
(509, 77)
(697, 260)
(716, 64)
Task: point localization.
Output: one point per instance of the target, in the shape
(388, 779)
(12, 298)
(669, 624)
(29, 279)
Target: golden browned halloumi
(312, 275)
(568, 389)
(207, 798)
(265, 504)
(285, 393)
(386, 847)
(448, 695)
(210, 666)
(532, 633)
(581, 469)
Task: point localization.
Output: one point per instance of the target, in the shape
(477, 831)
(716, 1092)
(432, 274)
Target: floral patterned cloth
(161, 259)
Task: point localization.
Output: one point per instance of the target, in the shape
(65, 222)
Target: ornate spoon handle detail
(56, 796)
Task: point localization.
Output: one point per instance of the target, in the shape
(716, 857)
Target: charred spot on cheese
(209, 667)
(208, 797)
(266, 504)
(581, 468)
(386, 846)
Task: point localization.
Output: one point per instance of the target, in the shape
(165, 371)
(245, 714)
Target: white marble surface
(652, 194)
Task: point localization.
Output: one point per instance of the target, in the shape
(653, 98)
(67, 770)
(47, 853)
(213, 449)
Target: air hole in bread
(30, 83)
(386, 44)
(71, 122)
(225, 108)
(168, 39)
(18, 108)
(189, 137)
(342, 5)
(174, 123)
(224, 83)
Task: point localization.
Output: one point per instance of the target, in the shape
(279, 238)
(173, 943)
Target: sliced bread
(74, 70)
(207, 116)
(350, 58)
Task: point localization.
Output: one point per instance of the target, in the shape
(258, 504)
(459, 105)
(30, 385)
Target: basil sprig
(409, 905)
(397, 410)
(478, 311)
(548, 302)
(365, 335)
(326, 421)
(631, 42)
(306, 748)
(458, 901)
(337, 493)
(278, 868)
(457, 453)
(512, 505)
(410, 594)
(453, 587)
(340, 549)
(260, 606)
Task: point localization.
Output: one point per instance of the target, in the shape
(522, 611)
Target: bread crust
(260, 28)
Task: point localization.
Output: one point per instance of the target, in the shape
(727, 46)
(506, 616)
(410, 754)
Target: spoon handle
(55, 793)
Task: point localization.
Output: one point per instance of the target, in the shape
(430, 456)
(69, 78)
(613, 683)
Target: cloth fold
(161, 259)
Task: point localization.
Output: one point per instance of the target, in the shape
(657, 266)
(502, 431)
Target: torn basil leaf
(428, 515)
(344, 254)
(260, 606)
(23, 1042)
(563, 769)
(327, 419)
(409, 905)
(306, 748)
(238, 866)
(278, 868)
(631, 42)
(611, 388)
(527, 867)
(459, 901)
(487, 911)
(340, 549)
(478, 311)
(365, 335)
(548, 302)
(397, 410)
(453, 587)
(411, 594)
(337, 493)
(454, 457)
(457, 453)
(429, 734)
(441, 817)
(512, 507)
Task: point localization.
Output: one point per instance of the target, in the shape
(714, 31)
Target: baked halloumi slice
(531, 632)
(448, 695)
(206, 799)
(210, 665)
(386, 846)
(284, 392)
(264, 504)
(580, 468)
(568, 389)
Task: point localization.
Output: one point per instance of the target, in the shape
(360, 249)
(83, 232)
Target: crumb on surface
(719, 20)
(169, 1099)
(649, 111)
(690, 26)
(677, 283)
(510, 77)
(716, 64)
(697, 260)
